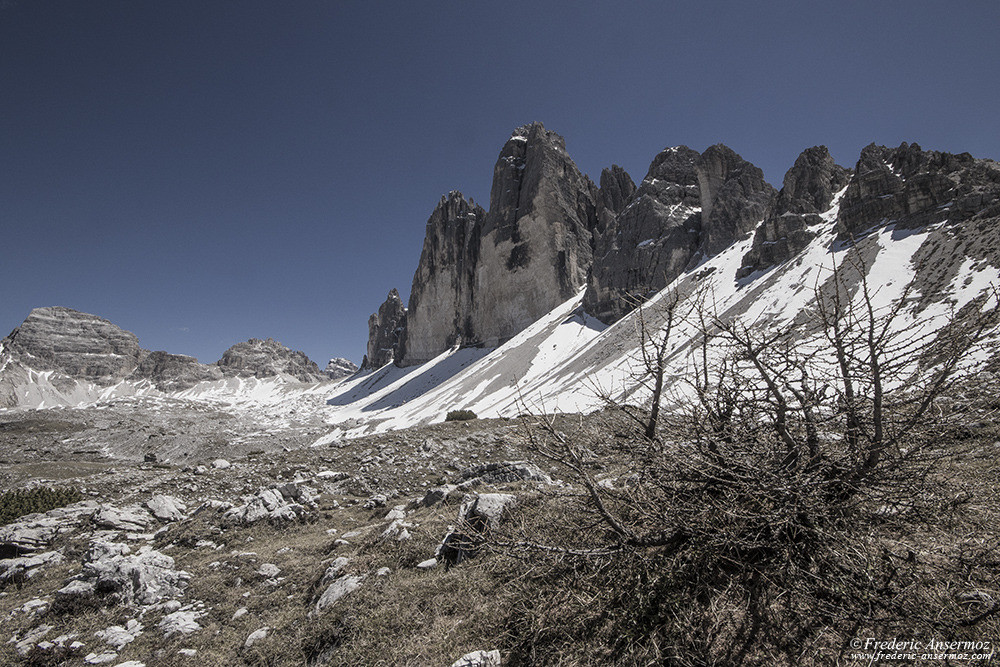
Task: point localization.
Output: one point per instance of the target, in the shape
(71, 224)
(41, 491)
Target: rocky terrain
(215, 561)
(261, 510)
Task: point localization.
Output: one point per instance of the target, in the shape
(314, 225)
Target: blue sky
(202, 172)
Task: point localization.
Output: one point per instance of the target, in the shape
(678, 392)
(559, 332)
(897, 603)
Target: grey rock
(690, 205)
(134, 518)
(734, 198)
(118, 636)
(268, 358)
(915, 188)
(30, 639)
(438, 494)
(256, 636)
(144, 578)
(478, 659)
(286, 502)
(498, 473)
(794, 219)
(439, 315)
(33, 532)
(100, 658)
(14, 570)
(180, 623)
(339, 367)
(477, 516)
(386, 333)
(337, 590)
(166, 508)
(617, 189)
(653, 238)
(269, 570)
(174, 372)
(76, 344)
(535, 244)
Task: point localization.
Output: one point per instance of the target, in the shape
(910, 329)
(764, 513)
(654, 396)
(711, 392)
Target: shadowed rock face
(793, 221)
(688, 205)
(734, 198)
(651, 240)
(440, 310)
(914, 188)
(267, 358)
(386, 333)
(77, 344)
(535, 244)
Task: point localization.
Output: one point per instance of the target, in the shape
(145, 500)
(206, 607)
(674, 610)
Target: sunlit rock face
(267, 358)
(535, 244)
(77, 344)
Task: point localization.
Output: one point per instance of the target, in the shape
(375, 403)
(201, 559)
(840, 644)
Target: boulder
(166, 508)
(133, 518)
(143, 578)
(340, 587)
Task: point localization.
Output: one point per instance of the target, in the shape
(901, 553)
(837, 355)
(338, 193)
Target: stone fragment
(479, 659)
(338, 589)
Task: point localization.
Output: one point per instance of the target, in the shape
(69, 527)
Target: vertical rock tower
(535, 246)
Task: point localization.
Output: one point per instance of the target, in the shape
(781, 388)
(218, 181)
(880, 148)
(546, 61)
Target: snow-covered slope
(568, 361)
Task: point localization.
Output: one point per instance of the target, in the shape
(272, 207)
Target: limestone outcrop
(85, 351)
(914, 188)
(76, 344)
(338, 367)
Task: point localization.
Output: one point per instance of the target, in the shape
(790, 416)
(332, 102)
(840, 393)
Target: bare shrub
(787, 498)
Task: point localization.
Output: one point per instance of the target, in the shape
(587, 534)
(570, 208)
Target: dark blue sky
(201, 172)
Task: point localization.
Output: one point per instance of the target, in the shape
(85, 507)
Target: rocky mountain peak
(485, 276)
(734, 197)
(441, 298)
(76, 344)
(535, 245)
(689, 204)
(339, 367)
(793, 219)
(914, 187)
(811, 183)
(386, 333)
(267, 358)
